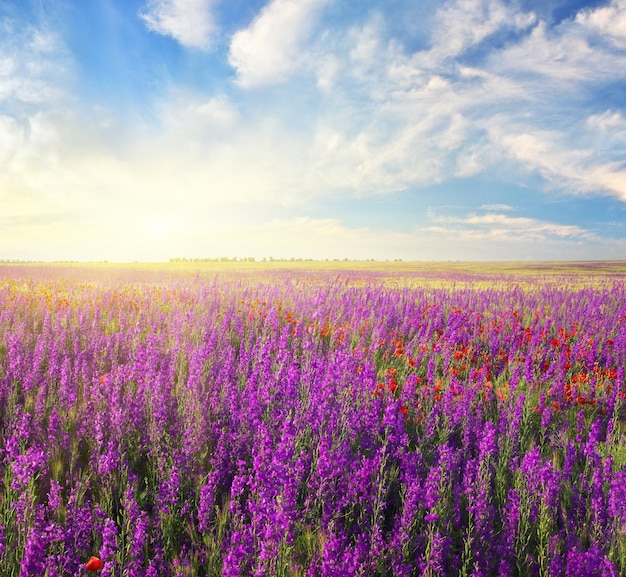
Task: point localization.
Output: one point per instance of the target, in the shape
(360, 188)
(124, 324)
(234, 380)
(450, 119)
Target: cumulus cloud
(272, 48)
(190, 22)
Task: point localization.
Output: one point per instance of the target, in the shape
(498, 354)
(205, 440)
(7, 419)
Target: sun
(160, 226)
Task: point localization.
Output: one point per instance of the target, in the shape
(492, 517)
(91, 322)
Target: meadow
(313, 419)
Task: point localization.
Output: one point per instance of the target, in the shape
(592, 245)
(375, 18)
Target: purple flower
(109, 546)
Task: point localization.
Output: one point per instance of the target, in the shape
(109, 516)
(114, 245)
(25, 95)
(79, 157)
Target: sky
(390, 129)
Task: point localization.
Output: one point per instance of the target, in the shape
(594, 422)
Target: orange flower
(94, 564)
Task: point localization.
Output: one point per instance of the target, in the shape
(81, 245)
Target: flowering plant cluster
(315, 424)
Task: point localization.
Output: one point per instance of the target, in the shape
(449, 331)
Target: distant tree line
(240, 259)
(22, 261)
(214, 259)
(267, 259)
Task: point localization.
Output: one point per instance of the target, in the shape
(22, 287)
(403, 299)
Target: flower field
(318, 423)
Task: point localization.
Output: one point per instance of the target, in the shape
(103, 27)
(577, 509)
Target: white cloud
(188, 117)
(502, 227)
(327, 71)
(607, 121)
(272, 48)
(607, 21)
(190, 22)
(466, 23)
(11, 136)
(468, 238)
(575, 170)
(394, 120)
(33, 66)
(607, 129)
(497, 207)
(569, 53)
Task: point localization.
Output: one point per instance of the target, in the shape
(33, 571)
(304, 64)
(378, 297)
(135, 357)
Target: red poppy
(94, 564)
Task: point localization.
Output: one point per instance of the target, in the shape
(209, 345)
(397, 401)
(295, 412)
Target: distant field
(411, 269)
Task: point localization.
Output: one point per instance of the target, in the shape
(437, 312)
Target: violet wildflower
(109, 547)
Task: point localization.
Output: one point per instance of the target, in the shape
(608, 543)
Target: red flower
(94, 564)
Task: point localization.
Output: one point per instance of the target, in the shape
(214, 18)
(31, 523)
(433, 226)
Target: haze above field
(468, 129)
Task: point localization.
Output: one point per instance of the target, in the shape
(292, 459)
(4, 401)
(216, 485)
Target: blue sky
(432, 130)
